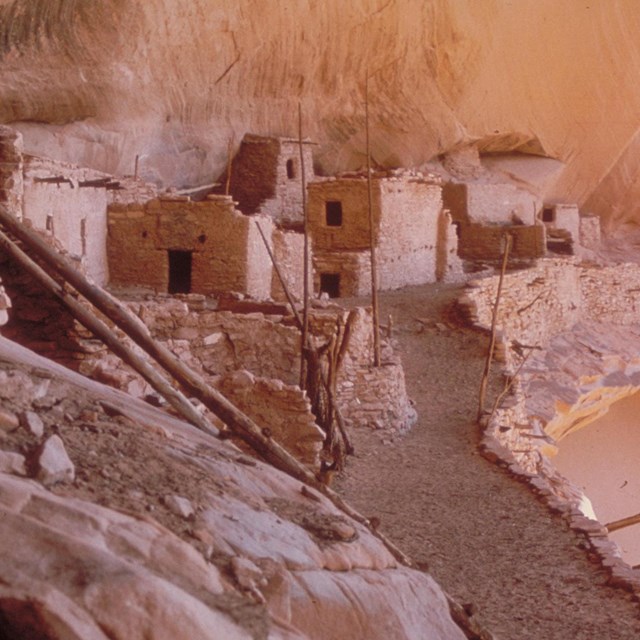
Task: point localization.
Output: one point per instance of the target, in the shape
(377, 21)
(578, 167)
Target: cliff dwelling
(315, 325)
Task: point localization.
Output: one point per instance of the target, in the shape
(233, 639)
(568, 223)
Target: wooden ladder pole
(372, 240)
(494, 320)
(305, 286)
(99, 329)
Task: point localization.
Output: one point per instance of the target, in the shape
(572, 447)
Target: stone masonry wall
(285, 206)
(408, 232)
(480, 242)
(11, 167)
(284, 408)
(542, 301)
(486, 203)
(353, 233)
(354, 268)
(227, 251)
(288, 248)
(254, 172)
(72, 211)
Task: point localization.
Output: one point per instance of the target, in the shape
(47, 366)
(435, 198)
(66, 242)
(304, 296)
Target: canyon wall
(173, 83)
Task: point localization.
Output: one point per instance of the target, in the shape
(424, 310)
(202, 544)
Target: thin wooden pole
(494, 320)
(372, 240)
(227, 186)
(305, 286)
(283, 283)
(109, 338)
(135, 169)
(623, 523)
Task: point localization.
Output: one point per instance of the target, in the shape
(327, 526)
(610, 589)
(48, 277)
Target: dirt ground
(482, 534)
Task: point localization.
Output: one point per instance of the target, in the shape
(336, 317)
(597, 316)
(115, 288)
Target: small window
(330, 284)
(291, 169)
(333, 210)
(548, 214)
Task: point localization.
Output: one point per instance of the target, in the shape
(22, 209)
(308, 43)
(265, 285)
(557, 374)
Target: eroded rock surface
(173, 84)
(167, 533)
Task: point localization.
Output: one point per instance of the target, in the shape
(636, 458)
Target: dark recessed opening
(291, 169)
(333, 210)
(202, 238)
(330, 284)
(548, 214)
(145, 234)
(180, 271)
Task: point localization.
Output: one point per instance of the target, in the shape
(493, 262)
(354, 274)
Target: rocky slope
(173, 83)
(151, 529)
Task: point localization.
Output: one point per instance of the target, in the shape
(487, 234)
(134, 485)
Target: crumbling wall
(227, 251)
(589, 232)
(542, 301)
(288, 249)
(449, 266)
(480, 242)
(408, 237)
(254, 172)
(11, 168)
(285, 409)
(63, 200)
(489, 203)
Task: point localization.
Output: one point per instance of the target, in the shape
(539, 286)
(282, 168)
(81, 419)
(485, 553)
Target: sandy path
(483, 535)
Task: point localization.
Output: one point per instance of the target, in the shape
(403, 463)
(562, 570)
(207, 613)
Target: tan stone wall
(254, 172)
(408, 237)
(551, 297)
(480, 242)
(285, 409)
(353, 234)
(286, 204)
(227, 251)
(354, 268)
(589, 232)
(11, 167)
(288, 248)
(501, 204)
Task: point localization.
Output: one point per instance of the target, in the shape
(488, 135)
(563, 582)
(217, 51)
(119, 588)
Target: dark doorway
(330, 284)
(179, 271)
(333, 209)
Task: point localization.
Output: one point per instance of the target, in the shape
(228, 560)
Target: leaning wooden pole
(305, 286)
(372, 240)
(494, 321)
(227, 186)
(283, 282)
(108, 337)
(623, 523)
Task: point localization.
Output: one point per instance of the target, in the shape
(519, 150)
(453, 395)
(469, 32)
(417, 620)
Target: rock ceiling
(174, 82)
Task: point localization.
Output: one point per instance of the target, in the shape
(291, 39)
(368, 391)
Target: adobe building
(414, 238)
(66, 202)
(175, 245)
(266, 177)
(482, 212)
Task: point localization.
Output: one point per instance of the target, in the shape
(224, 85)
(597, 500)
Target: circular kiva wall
(603, 459)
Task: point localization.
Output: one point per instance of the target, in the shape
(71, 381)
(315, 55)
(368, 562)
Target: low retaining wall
(583, 325)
